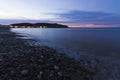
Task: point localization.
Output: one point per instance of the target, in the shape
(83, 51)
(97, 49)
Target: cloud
(87, 17)
(10, 21)
(73, 18)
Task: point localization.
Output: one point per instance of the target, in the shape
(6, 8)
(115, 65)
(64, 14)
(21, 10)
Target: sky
(75, 13)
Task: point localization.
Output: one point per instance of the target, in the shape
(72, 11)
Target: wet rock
(11, 71)
(40, 75)
(56, 67)
(42, 56)
(25, 72)
(60, 74)
(51, 74)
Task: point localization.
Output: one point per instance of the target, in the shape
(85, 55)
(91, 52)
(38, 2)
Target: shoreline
(22, 60)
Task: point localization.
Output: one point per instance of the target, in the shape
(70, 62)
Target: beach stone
(42, 56)
(60, 74)
(24, 72)
(12, 72)
(56, 67)
(40, 75)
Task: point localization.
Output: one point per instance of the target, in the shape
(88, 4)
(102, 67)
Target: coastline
(23, 59)
(20, 60)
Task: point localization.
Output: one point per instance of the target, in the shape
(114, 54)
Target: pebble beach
(22, 59)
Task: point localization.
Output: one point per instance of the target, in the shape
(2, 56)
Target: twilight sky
(75, 13)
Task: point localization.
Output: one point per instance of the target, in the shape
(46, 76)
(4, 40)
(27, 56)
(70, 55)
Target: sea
(103, 43)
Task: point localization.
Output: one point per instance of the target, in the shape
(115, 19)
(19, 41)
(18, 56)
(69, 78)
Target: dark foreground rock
(19, 60)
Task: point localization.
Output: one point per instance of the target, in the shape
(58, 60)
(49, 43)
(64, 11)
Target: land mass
(37, 25)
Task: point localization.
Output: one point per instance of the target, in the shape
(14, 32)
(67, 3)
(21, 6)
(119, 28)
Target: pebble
(59, 73)
(42, 56)
(12, 72)
(56, 67)
(40, 75)
(25, 72)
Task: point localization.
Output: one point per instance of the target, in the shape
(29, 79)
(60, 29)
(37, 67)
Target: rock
(12, 72)
(51, 74)
(56, 67)
(59, 74)
(42, 56)
(40, 75)
(24, 72)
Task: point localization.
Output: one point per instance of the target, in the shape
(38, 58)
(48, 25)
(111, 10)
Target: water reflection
(101, 42)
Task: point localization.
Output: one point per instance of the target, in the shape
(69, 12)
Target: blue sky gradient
(88, 13)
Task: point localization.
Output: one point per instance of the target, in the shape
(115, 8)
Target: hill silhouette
(38, 25)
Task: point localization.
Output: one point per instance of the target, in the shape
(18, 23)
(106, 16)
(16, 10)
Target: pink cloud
(91, 25)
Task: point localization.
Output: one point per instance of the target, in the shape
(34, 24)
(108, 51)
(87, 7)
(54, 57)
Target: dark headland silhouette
(37, 25)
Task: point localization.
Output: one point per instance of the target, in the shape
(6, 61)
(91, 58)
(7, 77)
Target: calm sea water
(98, 42)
